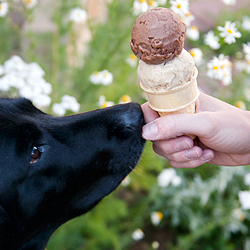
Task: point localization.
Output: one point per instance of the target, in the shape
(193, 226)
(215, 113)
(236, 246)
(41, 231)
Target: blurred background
(71, 56)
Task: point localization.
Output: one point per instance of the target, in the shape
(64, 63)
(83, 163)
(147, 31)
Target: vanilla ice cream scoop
(168, 75)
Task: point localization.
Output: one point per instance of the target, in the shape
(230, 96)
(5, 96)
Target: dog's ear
(7, 237)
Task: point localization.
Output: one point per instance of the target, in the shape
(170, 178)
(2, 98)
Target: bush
(154, 209)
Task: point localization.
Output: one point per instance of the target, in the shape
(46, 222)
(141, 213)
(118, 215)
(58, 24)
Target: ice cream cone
(179, 100)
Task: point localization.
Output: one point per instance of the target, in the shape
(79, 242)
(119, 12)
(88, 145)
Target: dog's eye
(35, 155)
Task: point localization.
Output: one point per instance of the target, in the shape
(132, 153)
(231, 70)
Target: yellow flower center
(132, 56)
(240, 104)
(96, 73)
(160, 215)
(105, 74)
(215, 67)
(105, 105)
(151, 2)
(179, 6)
(194, 27)
(125, 98)
(192, 53)
(142, 1)
(28, 1)
(230, 31)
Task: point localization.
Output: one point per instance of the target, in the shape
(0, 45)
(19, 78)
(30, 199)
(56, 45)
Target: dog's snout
(132, 117)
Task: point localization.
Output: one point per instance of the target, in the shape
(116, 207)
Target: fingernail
(207, 157)
(181, 145)
(150, 131)
(191, 154)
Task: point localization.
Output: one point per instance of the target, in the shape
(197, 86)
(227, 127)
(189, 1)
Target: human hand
(222, 130)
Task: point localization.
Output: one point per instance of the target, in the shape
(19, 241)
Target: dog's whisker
(133, 170)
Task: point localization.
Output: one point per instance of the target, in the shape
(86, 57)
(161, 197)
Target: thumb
(171, 126)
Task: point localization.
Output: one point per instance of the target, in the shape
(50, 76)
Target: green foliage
(198, 214)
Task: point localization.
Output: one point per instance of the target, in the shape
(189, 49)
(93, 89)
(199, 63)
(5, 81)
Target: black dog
(53, 169)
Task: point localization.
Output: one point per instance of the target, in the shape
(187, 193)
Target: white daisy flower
(15, 65)
(244, 198)
(227, 78)
(240, 105)
(4, 84)
(229, 32)
(155, 244)
(188, 18)
(26, 91)
(67, 103)
(58, 109)
(96, 77)
(225, 62)
(220, 68)
(35, 70)
(103, 103)
(168, 176)
(229, 2)
(41, 100)
(165, 177)
(240, 65)
(176, 181)
(107, 77)
(246, 23)
(140, 6)
(132, 60)
(211, 40)
(28, 79)
(30, 4)
(13, 80)
(193, 33)
(125, 99)
(126, 181)
(78, 15)
(246, 50)
(70, 103)
(138, 234)
(181, 7)
(214, 69)
(156, 218)
(46, 87)
(197, 55)
(4, 8)
(152, 4)
(247, 66)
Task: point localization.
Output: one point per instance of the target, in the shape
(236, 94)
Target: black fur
(82, 158)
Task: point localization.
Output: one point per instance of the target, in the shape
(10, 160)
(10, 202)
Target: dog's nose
(132, 116)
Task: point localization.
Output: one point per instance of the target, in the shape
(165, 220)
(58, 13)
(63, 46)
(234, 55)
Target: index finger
(149, 114)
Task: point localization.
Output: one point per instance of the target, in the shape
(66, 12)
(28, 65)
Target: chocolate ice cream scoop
(157, 36)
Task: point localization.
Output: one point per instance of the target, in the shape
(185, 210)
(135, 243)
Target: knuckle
(166, 146)
(166, 126)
